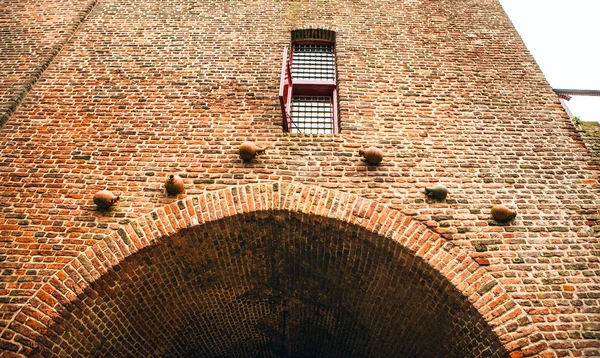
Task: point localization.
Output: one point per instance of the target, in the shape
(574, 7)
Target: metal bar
(576, 92)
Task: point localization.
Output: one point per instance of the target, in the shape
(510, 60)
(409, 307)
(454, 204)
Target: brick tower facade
(305, 250)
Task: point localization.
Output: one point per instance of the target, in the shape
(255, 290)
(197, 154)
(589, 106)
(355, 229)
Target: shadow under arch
(272, 270)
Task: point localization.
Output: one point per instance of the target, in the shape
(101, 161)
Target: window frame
(290, 87)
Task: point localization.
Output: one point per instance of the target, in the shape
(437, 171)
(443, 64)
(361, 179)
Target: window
(308, 89)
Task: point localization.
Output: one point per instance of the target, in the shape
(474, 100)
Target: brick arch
(47, 308)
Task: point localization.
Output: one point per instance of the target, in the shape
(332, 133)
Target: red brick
(431, 83)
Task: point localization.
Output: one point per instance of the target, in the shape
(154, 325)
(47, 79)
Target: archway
(272, 270)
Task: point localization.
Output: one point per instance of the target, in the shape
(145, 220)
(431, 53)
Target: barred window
(312, 115)
(313, 62)
(308, 89)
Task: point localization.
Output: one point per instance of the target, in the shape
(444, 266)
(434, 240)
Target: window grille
(313, 62)
(312, 115)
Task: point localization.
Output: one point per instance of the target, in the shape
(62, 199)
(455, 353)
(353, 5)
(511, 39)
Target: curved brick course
(314, 229)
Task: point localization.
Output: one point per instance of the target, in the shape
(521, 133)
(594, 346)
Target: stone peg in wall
(104, 199)
(371, 155)
(249, 150)
(437, 192)
(174, 184)
(502, 213)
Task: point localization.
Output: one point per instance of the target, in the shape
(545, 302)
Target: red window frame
(285, 91)
(290, 87)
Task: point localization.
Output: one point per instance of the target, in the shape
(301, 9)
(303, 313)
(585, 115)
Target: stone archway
(273, 270)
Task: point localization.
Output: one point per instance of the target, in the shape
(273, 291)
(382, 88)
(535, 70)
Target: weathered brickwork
(344, 268)
(143, 89)
(590, 133)
(32, 34)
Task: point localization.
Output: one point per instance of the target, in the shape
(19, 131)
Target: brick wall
(590, 134)
(238, 272)
(32, 34)
(143, 89)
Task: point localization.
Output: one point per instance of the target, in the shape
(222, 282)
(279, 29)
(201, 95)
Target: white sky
(563, 37)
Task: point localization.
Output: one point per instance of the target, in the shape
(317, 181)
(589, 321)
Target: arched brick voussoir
(66, 288)
(483, 291)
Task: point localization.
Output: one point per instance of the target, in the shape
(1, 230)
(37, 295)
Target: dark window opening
(308, 89)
